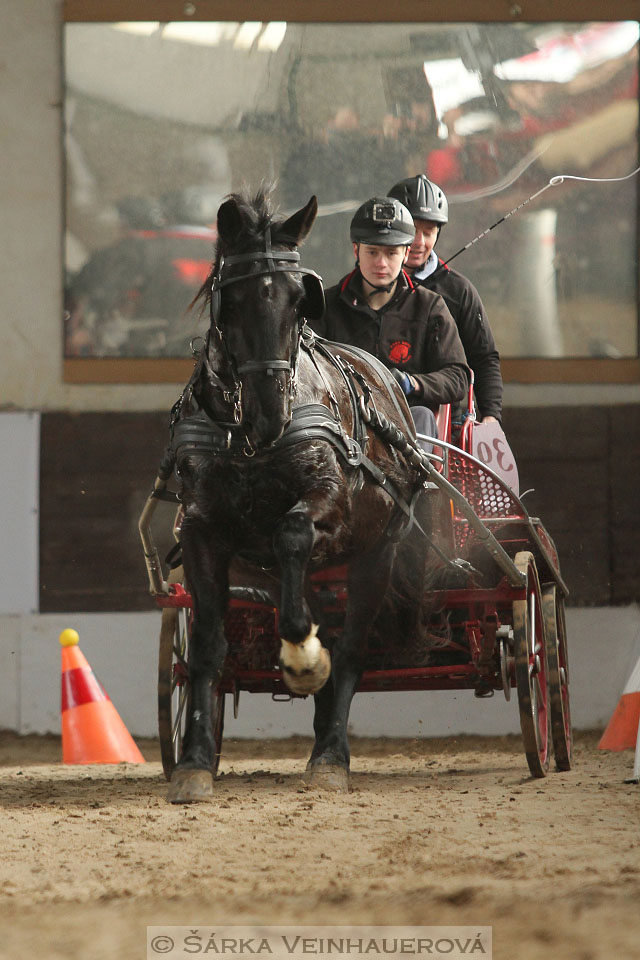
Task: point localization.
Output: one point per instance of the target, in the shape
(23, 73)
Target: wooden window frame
(515, 369)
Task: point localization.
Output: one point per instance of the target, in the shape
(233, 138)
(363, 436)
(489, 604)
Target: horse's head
(260, 297)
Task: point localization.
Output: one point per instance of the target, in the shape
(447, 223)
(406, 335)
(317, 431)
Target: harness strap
(348, 374)
(201, 435)
(326, 347)
(269, 366)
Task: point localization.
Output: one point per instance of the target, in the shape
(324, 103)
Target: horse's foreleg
(305, 663)
(207, 577)
(368, 580)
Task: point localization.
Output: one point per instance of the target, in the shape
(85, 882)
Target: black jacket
(467, 310)
(414, 332)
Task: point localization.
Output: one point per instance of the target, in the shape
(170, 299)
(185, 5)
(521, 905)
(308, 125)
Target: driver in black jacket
(378, 307)
(429, 208)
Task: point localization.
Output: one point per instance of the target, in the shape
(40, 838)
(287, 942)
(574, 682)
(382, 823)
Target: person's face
(380, 265)
(423, 244)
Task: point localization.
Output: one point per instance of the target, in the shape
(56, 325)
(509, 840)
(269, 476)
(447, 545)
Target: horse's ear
(299, 224)
(229, 221)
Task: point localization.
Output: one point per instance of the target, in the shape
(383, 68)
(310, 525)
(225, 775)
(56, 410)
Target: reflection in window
(162, 120)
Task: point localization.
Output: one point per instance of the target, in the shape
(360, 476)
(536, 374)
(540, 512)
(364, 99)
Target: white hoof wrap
(305, 666)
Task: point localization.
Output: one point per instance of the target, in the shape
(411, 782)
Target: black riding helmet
(424, 199)
(383, 221)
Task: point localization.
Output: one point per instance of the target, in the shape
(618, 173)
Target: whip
(553, 182)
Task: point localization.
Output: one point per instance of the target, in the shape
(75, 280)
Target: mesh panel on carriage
(489, 498)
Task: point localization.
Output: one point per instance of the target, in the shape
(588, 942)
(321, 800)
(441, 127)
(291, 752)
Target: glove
(408, 383)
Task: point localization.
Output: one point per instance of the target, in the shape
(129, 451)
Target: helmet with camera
(423, 198)
(383, 221)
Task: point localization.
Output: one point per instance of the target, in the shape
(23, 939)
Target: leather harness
(197, 434)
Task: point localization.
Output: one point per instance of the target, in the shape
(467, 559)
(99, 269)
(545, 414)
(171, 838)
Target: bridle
(285, 261)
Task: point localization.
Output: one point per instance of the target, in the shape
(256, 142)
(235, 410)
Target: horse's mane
(257, 215)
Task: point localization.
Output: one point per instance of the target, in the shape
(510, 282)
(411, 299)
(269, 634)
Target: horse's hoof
(329, 777)
(305, 671)
(190, 786)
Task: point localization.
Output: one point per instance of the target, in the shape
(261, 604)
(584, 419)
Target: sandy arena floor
(433, 832)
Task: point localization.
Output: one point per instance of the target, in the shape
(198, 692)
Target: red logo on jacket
(400, 351)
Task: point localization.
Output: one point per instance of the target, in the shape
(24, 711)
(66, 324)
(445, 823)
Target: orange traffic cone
(92, 730)
(622, 730)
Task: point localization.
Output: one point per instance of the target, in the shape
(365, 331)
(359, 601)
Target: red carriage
(296, 455)
(500, 631)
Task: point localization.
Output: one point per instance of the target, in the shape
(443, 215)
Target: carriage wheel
(173, 690)
(558, 676)
(530, 653)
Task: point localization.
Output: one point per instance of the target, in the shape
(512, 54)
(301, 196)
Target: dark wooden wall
(584, 466)
(97, 469)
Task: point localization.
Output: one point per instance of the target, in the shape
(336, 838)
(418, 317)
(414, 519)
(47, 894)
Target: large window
(163, 119)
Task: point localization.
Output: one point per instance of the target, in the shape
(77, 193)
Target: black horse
(278, 467)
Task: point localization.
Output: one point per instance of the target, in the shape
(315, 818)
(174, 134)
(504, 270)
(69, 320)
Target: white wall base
(604, 645)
